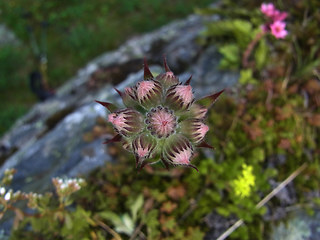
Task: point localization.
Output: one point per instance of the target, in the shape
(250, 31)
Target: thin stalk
(252, 44)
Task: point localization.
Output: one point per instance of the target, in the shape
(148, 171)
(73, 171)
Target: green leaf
(112, 217)
(261, 54)
(258, 154)
(126, 226)
(231, 56)
(223, 211)
(68, 221)
(246, 77)
(136, 206)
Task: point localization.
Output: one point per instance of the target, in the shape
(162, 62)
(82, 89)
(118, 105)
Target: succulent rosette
(161, 120)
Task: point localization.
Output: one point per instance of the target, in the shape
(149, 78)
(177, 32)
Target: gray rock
(7, 36)
(297, 226)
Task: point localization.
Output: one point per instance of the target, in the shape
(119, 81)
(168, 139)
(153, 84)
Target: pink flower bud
(167, 79)
(198, 111)
(179, 97)
(194, 129)
(129, 97)
(149, 93)
(178, 151)
(127, 121)
(143, 147)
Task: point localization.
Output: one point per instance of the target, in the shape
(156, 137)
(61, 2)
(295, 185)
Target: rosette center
(161, 121)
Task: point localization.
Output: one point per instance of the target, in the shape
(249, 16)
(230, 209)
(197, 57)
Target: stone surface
(7, 36)
(298, 226)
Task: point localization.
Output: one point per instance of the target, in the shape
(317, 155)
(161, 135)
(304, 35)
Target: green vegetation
(77, 31)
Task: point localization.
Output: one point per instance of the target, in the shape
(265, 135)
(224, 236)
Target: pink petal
(185, 93)
(183, 157)
(144, 87)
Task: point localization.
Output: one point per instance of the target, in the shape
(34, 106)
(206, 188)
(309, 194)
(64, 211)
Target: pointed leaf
(139, 161)
(209, 100)
(116, 138)
(205, 145)
(136, 206)
(147, 73)
(111, 216)
(188, 81)
(111, 107)
(119, 92)
(128, 223)
(194, 167)
(142, 165)
(166, 67)
(165, 164)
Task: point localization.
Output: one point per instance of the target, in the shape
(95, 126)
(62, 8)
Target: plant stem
(108, 229)
(250, 48)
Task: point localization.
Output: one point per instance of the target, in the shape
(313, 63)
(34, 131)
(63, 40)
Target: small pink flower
(267, 9)
(278, 29)
(279, 16)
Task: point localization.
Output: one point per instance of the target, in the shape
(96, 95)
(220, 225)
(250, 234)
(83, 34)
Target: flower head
(66, 186)
(278, 29)
(267, 9)
(245, 182)
(275, 23)
(279, 16)
(162, 121)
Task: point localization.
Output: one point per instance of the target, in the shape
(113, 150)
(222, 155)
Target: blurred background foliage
(76, 32)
